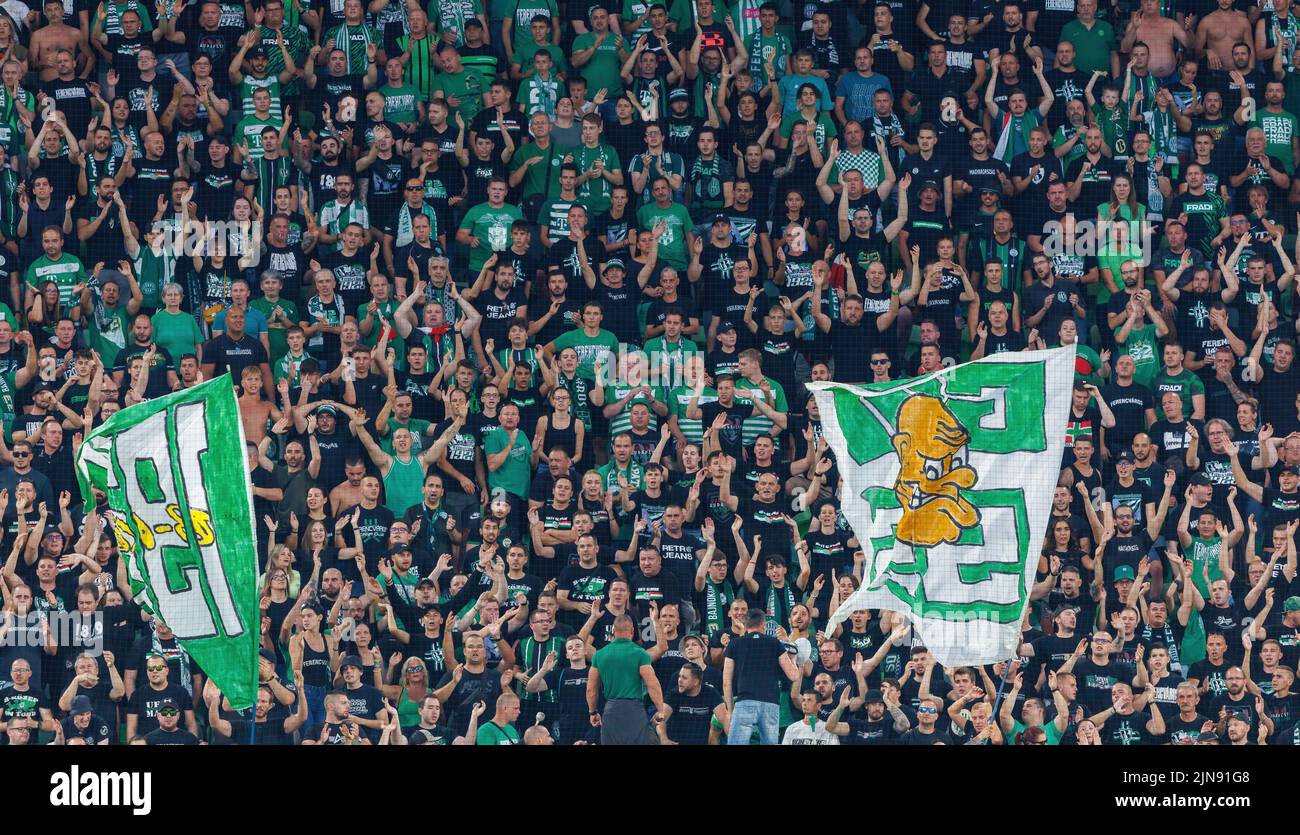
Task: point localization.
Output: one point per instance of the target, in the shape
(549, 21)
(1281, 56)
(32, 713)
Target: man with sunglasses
(169, 731)
(927, 730)
(145, 704)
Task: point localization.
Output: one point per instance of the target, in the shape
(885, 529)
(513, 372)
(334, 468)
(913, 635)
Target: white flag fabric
(947, 483)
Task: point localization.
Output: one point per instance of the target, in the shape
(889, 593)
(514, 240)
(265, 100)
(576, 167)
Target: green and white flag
(948, 482)
(181, 508)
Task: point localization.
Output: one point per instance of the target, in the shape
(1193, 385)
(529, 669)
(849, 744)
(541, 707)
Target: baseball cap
(679, 93)
(1199, 480)
(351, 661)
(874, 696)
(616, 263)
(990, 190)
(398, 549)
(1124, 455)
(726, 325)
(721, 218)
(167, 704)
(929, 184)
(257, 52)
(81, 704)
(1292, 604)
(1124, 572)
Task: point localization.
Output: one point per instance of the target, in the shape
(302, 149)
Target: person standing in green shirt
(1212, 542)
(281, 315)
(516, 26)
(55, 265)
(108, 314)
(402, 101)
(1139, 341)
(403, 472)
(500, 729)
(509, 455)
(598, 56)
(672, 224)
(590, 342)
(355, 37)
(486, 227)
(1177, 379)
(621, 674)
(1093, 40)
(174, 329)
(462, 87)
(535, 168)
(600, 167)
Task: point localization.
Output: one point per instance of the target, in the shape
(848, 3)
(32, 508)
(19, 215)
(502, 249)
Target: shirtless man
(349, 492)
(1161, 35)
(253, 410)
(1218, 31)
(53, 36)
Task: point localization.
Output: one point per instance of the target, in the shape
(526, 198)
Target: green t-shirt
(399, 103)
(1053, 735)
(634, 474)
(678, 399)
(1143, 347)
(468, 86)
(1279, 129)
(603, 70)
(513, 475)
(521, 13)
(418, 429)
(492, 228)
(620, 662)
(672, 243)
(675, 354)
(594, 194)
(760, 48)
(275, 330)
(67, 272)
(542, 177)
(490, 733)
(288, 366)
(1185, 385)
(108, 327)
(622, 422)
(1092, 47)
(1204, 554)
(759, 424)
(354, 40)
(588, 348)
(250, 130)
(177, 332)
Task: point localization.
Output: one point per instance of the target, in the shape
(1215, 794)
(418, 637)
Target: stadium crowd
(520, 302)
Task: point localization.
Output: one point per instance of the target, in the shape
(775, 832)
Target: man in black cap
(927, 222)
(725, 356)
(681, 126)
(81, 723)
(619, 299)
(712, 265)
(1126, 490)
(169, 731)
(365, 702)
(883, 724)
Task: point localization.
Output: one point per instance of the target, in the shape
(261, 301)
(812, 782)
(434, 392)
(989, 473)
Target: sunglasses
(880, 362)
(154, 669)
(168, 711)
(926, 710)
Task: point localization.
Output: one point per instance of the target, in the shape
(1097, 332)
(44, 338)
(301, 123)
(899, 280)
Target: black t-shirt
(179, 736)
(145, 701)
(692, 715)
(1128, 730)
(757, 670)
(228, 354)
(473, 688)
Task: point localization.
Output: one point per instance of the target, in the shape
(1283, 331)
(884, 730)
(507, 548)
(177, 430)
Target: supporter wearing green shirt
(462, 87)
(500, 729)
(1280, 127)
(486, 227)
(1212, 541)
(1176, 378)
(535, 168)
(175, 330)
(674, 223)
(590, 341)
(402, 102)
(508, 455)
(600, 168)
(1141, 341)
(108, 313)
(64, 269)
(516, 26)
(1033, 716)
(1094, 41)
(598, 56)
(281, 316)
(621, 464)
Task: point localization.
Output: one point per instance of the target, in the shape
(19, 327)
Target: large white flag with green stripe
(947, 482)
(173, 471)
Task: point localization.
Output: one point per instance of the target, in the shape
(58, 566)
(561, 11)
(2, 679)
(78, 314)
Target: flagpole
(997, 702)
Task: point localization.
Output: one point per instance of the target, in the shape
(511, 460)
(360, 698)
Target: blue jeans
(748, 714)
